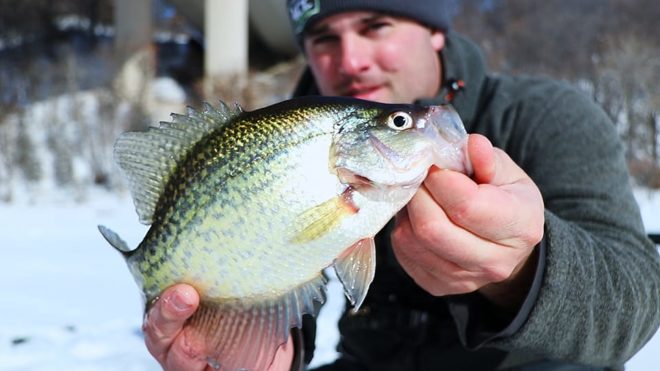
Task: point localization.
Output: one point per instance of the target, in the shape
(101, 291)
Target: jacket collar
(464, 73)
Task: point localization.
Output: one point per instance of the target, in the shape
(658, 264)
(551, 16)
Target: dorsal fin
(148, 158)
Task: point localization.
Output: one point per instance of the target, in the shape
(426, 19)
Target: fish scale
(253, 178)
(250, 207)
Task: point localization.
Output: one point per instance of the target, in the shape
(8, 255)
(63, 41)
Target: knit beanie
(432, 13)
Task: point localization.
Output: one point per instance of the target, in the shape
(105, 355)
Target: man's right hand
(166, 339)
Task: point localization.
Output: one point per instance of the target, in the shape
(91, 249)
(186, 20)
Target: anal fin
(244, 335)
(355, 269)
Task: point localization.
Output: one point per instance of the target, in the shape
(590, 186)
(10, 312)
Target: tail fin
(115, 241)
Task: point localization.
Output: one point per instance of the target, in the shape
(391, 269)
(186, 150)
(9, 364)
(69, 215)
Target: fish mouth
(445, 129)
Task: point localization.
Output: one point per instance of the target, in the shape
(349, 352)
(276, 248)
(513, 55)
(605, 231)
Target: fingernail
(179, 301)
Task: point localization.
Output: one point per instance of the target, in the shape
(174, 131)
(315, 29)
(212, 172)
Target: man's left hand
(460, 234)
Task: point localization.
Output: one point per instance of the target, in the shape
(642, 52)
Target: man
(538, 261)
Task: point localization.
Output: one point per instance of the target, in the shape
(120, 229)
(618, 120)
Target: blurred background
(76, 73)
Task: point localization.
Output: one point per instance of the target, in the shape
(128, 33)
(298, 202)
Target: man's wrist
(509, 294)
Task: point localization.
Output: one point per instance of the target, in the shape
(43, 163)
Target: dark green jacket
(595, 299)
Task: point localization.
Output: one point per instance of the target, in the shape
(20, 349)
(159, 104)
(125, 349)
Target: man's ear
(437, 40)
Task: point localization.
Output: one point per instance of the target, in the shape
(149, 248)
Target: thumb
(166, 318)
(491, 165)
(482, 157)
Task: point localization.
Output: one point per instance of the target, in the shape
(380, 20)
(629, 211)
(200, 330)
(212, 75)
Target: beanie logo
(300, 11)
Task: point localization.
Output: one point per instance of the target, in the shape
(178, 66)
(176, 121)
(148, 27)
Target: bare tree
(609, 47)
(629, 69)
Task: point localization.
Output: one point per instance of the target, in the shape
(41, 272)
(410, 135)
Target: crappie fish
(250, 207)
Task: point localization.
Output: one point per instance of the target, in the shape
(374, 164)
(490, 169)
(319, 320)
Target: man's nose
(355, 55)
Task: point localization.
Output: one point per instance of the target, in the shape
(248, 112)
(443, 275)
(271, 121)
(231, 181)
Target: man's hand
(460, 234)
(163, 329)
(166, 339)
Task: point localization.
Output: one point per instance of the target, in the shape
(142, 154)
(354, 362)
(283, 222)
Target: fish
(251, 207)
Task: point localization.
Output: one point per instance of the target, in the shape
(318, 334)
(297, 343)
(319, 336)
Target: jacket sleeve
(599, 296)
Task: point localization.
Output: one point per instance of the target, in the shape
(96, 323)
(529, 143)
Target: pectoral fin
(356, 269)
(321, 219)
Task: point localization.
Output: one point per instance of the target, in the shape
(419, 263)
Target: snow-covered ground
(68, 302)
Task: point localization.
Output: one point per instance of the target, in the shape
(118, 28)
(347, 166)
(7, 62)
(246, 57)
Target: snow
(69, 303)
(66, 293)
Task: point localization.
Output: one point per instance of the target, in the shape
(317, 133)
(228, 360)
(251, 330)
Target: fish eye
(400, 121)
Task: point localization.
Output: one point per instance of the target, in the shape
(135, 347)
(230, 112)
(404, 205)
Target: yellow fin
(322, 218)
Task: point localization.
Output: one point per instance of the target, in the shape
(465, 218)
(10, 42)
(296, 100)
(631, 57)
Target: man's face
(374, 56)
